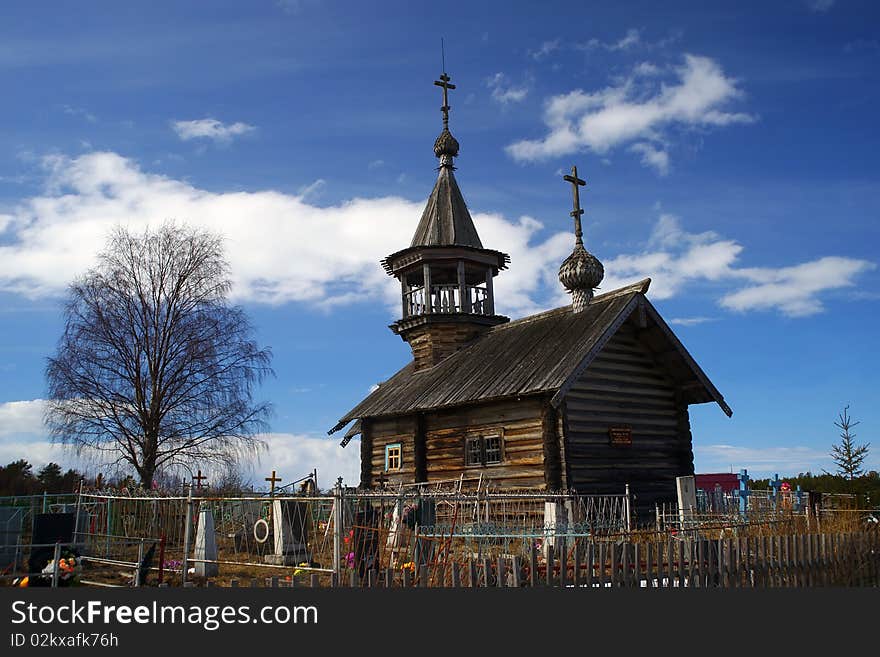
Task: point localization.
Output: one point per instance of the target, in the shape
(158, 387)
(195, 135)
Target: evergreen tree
(847, 456)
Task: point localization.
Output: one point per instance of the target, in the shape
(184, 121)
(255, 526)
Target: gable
(654, 335)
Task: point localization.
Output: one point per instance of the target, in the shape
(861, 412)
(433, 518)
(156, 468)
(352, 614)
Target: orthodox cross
(775, 485)
(444, 82)
(272, 481)
(199, 478)
(577, 212)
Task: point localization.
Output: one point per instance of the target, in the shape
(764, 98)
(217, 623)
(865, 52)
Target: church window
(483, 450)
(474, 451)
(492, 449)
(392, 457)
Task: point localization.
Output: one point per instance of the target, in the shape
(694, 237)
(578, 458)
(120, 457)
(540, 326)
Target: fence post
(628, 511)
(55, 565)
(140, 560)
(78, 507)
(533, 566)
(109, 529)
(161, 557)
(563, 563)
(337, 527)
(187, 535)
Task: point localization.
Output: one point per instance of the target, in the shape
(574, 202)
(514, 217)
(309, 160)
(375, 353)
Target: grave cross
(272, 481)
(743, 478)
(775, 485)
(444, 82)
(576, 202)
(199, 478)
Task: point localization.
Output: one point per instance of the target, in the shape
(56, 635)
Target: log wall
(625, 386)
(518, 420)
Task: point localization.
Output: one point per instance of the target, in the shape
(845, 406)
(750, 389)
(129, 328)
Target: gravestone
(290, 530)
(82, 527)
(687, 497)
(206, 543)
(49, 528)
(558, 516)
(11, 518)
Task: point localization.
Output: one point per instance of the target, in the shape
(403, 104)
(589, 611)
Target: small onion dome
(446, 144)
(580, 273)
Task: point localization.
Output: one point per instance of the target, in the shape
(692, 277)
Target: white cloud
(80, 112)
(375, 164)
(760, 462)
(280, 247)
(820, 6)
(637, 110)
(283, 249)
(295, 455)
(545, 49)
(632, 38)
(503, 91)
(21, 417)
(688, 321)
(794, 290)
(653, 157)
(313, 190)
(23, 436)
(675, 259)
(292, 456)
(210, 129)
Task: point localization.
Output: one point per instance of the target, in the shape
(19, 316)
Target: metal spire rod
(577, 211)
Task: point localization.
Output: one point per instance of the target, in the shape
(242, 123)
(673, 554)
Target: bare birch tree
(154, 368)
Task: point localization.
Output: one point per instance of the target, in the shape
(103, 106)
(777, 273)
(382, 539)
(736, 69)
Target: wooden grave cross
(576, 202)
(199, 478)
(775, 485)
(272, 481)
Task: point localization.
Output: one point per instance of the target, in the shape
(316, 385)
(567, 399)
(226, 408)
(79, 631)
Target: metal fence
(409, 536)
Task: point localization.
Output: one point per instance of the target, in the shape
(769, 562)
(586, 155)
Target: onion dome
(580, 274)
(446, 144)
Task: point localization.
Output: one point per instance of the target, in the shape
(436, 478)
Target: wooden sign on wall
(620, 435)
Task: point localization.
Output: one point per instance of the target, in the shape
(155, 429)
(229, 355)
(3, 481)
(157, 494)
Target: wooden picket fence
(799, 560)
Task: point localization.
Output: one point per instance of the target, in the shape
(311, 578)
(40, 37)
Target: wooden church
(587, 397)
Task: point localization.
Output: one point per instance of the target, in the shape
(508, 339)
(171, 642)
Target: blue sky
(729, 149)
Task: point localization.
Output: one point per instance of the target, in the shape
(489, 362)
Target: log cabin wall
(387, 431)
(517, 421)
(625, 386)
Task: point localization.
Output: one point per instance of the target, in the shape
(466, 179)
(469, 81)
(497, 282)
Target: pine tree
(847, 456)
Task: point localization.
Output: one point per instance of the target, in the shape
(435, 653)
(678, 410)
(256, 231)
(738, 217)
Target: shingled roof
(542, 353)
(446, 220)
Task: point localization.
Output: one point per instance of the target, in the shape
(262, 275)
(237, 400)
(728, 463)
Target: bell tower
(445, 274)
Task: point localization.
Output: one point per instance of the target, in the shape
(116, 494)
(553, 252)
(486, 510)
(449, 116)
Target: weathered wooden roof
(446, 220)
(538, 354)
